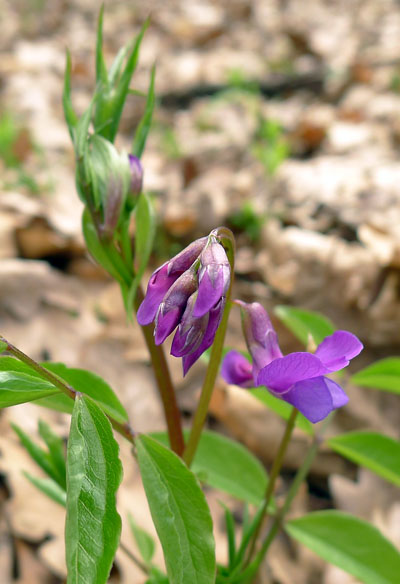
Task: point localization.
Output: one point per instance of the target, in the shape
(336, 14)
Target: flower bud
(190, 332)
(136, 175)
(261, 338)
(214, 278)
(173, 305)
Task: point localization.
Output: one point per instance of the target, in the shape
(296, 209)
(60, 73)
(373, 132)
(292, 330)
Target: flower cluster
(298, 378)
(188, 294)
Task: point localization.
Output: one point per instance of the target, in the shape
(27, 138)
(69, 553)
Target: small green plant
(270, 146)
(248, 221)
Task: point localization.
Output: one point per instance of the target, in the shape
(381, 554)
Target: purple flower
(297, 378)
(136, 174)
(187, 293)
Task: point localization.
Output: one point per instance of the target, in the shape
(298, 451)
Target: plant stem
(124, 429)
(207, 389)
(228, 241)
(299, 478)
(276, 468)
(134, 559)
(164, 384)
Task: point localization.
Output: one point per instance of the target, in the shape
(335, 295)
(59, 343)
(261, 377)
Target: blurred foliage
(270, 146)
(248, 221)
(16, 148)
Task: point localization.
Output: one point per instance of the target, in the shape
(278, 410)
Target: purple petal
(336, 350)
(261, 338)
(173, 305)
(158, 286)
(182, 262)
(214, 278)
(165, 324)
(190, 332)
(315, 398)
(237, 370)
(284, 372)
(215, 316)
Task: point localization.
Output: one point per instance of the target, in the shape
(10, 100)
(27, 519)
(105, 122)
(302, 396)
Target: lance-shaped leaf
(18, 388)
(81, 380)
(101, 70)
(180, 514)
(379, 453)
(303, 323)
(143, 128)
(145, 543)
(49, 488)
(70, 116)
(227, 465)
(94, 473)
(112, 99)
(353, 545)
(57, 453)
(384, 375)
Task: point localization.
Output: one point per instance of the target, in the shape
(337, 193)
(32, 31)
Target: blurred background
(279, 119)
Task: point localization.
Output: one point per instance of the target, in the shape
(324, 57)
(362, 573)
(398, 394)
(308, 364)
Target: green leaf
(353, 545)
(384, 375)
(110, 105)
(145, 543)
(40, 456)
(282, 408)
(143, 128)
(80, 379)
(180, 514)
(94, 473)
(55, 444)
(228, 466)
(303, 323)
(18, 388)
(70, 116)
(101, 70)
(379, 453)
(3, 346)
(93, 386)
(144, 239)
(49, 488)
(157, 577)
(230, 534)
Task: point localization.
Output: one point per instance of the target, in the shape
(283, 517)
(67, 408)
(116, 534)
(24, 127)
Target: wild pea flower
(297, 378)
(187, 293)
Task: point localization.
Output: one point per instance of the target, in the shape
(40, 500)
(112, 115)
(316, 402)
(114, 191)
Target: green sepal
(109, 175)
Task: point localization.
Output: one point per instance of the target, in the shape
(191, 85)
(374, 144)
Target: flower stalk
(227, 239)
(275, 471)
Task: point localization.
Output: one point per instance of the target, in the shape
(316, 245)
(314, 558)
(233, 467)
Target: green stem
(164, 384)
(207, 389)
(134, 559)
(124, 429)
(276, 468)
(299, 478)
